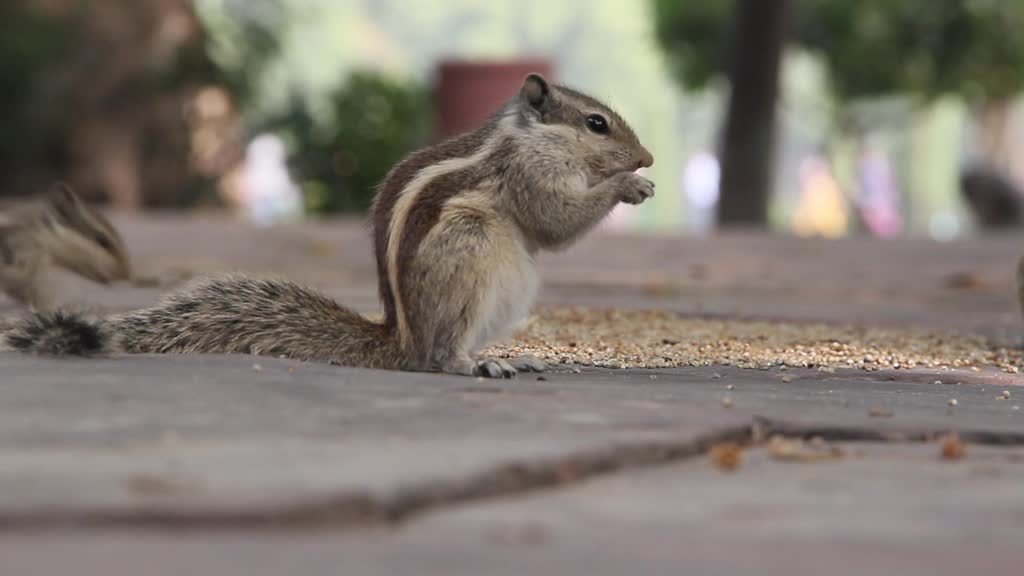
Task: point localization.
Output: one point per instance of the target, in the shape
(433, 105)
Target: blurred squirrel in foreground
(56, 229)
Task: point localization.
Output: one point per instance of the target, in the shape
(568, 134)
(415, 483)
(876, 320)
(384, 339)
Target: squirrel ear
(64, 199)
(535, 90)
(61, 192)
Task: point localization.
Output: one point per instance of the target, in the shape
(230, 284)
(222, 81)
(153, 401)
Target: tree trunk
(749, 134)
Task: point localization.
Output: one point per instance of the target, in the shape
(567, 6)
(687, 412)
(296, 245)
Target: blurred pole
(748, 139)
(469, 92)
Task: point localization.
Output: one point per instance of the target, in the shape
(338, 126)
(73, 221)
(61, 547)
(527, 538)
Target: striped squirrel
(56, 229)
(456, 227)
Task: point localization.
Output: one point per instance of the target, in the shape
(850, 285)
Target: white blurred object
(701, 178)
(269, 195)
(943, 226)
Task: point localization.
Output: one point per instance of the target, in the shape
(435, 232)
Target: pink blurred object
(879, 194)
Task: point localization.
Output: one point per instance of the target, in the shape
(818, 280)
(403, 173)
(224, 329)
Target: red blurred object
(470, 91)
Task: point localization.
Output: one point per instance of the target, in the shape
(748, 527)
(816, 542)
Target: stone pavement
(241, 465)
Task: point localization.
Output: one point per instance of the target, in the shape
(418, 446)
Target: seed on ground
(636, 338)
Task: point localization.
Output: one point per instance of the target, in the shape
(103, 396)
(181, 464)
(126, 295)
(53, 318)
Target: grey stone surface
(100, 458)
(879, 510)
(213, 433)
(216, 436)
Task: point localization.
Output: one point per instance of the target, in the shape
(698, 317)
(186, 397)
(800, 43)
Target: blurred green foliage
(30, 110)
(372, 123)
(243, 40)
(928, 47)
(694, 35)
(971, 48)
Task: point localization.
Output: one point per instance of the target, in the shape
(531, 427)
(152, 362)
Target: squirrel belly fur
(456, 228)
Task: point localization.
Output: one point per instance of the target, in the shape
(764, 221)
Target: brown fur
(393, 184)
(243, 315)
(456, 230)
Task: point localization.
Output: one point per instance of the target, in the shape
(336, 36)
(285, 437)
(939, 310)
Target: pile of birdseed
(657, 339)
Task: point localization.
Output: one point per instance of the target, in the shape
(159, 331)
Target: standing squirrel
(456, 227)
(57, 229)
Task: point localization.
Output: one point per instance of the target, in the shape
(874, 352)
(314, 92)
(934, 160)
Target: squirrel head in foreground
(82, 240)
(605, 140)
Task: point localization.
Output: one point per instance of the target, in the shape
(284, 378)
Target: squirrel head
(82, 240)
(605, 139)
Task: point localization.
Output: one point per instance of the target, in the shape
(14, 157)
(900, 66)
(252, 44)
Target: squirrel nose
(646, 159)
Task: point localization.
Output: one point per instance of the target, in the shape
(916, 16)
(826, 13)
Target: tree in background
(742, 40)
(748, 138)
(340, 138)
(924, 48)
(119, 98)
(871, 48)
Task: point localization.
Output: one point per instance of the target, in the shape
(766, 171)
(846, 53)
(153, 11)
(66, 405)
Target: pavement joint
(355, 510)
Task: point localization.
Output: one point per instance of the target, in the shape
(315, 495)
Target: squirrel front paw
(634, 189)
(494, 368)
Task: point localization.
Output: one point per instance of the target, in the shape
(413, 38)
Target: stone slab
(221, 436)
(880, 510)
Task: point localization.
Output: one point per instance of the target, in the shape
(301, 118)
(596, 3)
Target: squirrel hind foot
(57, 333)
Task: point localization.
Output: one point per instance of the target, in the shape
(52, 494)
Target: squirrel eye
(597, 124)
(104, 241)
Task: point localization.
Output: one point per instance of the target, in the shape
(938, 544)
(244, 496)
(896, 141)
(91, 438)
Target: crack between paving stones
(361, 510)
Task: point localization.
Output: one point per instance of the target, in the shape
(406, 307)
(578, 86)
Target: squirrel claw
(494, 368)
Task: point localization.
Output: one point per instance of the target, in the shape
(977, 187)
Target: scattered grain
(636, 338)
(795, 449)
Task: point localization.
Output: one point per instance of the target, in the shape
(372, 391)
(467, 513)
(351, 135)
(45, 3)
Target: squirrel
(456, 227)
(56, 229)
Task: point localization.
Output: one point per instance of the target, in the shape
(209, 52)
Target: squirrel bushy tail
(56, 333)
(221, 315)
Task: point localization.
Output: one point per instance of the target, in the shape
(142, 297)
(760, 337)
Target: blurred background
(810, 117)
